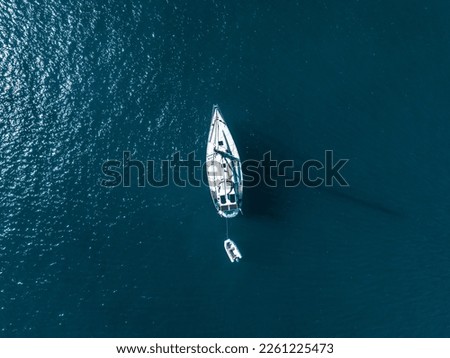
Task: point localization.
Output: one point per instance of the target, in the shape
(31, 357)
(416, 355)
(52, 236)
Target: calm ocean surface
(83, 81)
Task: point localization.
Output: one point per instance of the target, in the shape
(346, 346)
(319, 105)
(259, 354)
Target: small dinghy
(224, 169)
(232, 250)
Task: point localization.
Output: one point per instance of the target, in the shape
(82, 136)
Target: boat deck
(223, 168)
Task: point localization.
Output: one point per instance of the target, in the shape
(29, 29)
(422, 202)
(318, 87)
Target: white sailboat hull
(224, 169)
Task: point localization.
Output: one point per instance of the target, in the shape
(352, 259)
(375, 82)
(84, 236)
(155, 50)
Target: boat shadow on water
(263, 200)
(268, 208)
(272, 202)
(264, 206)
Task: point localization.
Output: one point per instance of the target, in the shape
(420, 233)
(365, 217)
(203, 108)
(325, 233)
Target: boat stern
(229, 211)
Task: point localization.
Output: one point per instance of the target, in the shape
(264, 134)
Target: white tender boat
(224, 169)
(232, 250)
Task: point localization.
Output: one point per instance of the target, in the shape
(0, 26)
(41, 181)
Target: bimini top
(224, 169)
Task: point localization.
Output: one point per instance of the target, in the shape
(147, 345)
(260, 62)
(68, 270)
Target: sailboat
(224, 171)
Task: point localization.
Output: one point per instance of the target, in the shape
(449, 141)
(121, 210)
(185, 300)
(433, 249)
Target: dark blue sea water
(83, 81)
